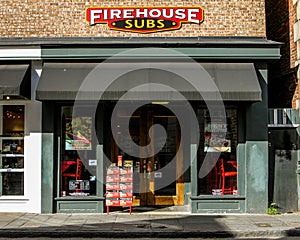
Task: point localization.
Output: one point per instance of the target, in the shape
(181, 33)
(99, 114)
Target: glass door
(164, 183)
(151, 174)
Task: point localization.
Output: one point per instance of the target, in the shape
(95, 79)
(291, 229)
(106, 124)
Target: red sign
(145, 19)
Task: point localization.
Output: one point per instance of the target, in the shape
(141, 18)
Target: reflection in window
(219, 148)
(12, 150)
(13, 183)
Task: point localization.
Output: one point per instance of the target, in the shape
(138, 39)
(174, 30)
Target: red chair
(76, 175)
(224, 174)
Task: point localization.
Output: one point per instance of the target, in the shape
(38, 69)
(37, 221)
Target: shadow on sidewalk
(115, 225)
(144, 225)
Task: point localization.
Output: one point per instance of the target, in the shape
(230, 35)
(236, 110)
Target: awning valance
(195, 81)
(13, 82)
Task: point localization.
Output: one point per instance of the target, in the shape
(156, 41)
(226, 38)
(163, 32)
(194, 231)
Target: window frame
(201, 153)
(22, 138)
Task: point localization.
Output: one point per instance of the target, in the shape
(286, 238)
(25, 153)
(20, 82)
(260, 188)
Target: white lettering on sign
(144, 19)
(95, 14)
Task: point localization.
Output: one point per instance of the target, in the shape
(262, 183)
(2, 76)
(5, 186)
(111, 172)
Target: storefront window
(219, 146)
(78, 164)
(12, 150)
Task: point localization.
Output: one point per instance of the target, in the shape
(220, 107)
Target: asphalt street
(285, 238)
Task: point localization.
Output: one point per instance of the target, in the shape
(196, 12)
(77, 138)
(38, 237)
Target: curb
(32, 233)
(114, 234)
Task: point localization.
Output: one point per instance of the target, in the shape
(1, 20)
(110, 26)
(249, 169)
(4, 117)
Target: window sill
(79, 198)
(12, 170)
(13, 198)
(220, 197)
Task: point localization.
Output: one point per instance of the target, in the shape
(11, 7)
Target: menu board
(78, 133)
(119, 186)
(79, 185)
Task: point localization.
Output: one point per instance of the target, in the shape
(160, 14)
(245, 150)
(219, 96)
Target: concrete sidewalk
(149, 224)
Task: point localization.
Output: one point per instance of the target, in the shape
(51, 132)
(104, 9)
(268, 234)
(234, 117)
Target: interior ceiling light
(160, 103)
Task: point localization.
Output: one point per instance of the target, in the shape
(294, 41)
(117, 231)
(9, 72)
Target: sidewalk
(148, 224)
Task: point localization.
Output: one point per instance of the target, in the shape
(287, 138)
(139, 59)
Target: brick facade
(296, 54)
(280, 19)
(66, 18)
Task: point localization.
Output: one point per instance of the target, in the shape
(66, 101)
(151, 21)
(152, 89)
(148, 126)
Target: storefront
(79, 168)
(188, 113)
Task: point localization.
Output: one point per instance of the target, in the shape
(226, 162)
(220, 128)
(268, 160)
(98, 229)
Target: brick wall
(66, 18)
(280, 19)
(293, 45)
(293, 51)
(296, 56)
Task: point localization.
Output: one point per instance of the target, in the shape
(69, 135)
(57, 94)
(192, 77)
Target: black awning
(14, 81)
(233, 81)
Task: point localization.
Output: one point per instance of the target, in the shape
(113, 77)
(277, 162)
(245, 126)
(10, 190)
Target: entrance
(152, 173)
(283, 145)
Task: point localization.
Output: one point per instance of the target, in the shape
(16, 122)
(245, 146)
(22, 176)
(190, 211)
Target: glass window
(12, 150)
(219, 141)
(78, 165)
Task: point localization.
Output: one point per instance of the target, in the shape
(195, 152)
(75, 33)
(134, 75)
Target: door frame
(148, 198)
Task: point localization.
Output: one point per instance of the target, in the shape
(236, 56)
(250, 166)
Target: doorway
(158, 179)
(283, 157)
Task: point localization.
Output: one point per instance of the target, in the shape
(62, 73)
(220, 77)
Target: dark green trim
(133, 41)
(47, 172)
(99, 156)
(49, 156)
(222, 197)
(89, 198)
(218, 205)
(187, 193)
(100, 177)
(230, 48)
(204, 53)
(257, 113)
(194, 173)
(241, 169)
(79, 206)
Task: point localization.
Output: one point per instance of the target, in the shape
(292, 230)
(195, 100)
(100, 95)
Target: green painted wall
(47, 172)
(48, 151)
(256, 177)
(241, 149)
(256, 149)
(100, 177)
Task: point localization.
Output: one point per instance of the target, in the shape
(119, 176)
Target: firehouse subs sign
(145, 19)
